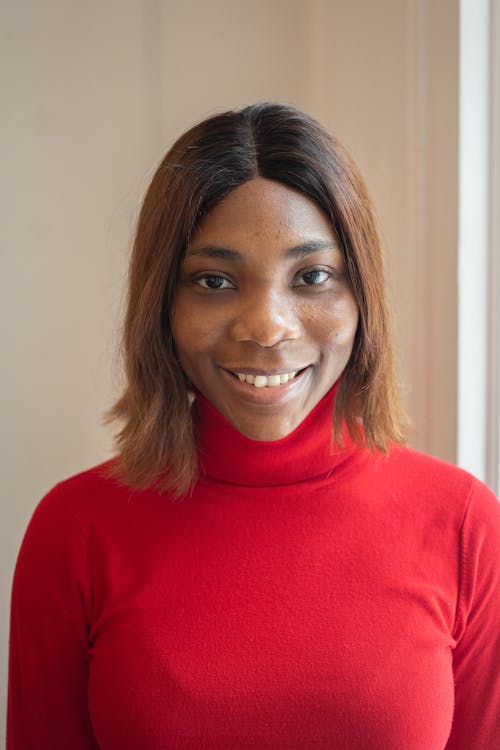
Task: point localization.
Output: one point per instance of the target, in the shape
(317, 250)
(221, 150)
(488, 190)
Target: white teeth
(263, 381)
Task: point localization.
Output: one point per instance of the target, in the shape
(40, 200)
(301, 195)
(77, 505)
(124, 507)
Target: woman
(264, 564)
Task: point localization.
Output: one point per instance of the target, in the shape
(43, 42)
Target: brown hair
(156, 442)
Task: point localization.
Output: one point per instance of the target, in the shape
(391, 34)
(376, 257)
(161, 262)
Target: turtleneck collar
(307, 452)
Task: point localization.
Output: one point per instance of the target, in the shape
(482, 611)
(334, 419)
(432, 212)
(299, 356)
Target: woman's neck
(308, 452)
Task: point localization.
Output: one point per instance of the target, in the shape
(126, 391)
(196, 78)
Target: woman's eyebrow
(306, 248)
(216, 251)
(297, 251)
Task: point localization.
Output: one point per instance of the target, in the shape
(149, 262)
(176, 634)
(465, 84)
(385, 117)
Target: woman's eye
(314, 278)
(212, 281)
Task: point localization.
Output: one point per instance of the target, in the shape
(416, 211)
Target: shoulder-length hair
(156, 442)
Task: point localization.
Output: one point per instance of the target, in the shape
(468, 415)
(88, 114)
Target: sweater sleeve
(476, 657)
(48, 658)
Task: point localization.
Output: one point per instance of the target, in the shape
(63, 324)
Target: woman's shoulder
(410, 461)
(90, 493)
(434, 477)
(98, 478)
(95, 479)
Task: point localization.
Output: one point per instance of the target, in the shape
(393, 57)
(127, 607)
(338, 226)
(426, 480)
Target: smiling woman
(243, 189)
(263, 564)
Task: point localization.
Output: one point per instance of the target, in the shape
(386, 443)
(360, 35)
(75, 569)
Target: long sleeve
(48, 664)
(476, 657)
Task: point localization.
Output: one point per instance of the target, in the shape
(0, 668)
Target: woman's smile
(266, 379)
(257, 389)
(264, 318)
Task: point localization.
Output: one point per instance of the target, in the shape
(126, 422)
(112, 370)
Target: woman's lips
(261, 393)
(264, 381)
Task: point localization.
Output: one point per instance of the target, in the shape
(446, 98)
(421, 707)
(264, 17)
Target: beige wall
(93, 94)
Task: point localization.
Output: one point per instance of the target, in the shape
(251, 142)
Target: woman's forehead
(264, 210)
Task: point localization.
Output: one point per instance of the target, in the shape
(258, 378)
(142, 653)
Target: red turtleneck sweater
(296, 600)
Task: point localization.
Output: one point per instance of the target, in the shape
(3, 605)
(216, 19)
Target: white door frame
(478, 434)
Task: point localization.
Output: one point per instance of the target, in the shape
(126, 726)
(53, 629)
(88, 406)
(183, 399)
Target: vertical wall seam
(418, 224)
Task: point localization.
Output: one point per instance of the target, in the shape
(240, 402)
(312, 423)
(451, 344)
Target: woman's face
(263, 294)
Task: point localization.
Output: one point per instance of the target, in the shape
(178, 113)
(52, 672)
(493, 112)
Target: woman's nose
(266, 319)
